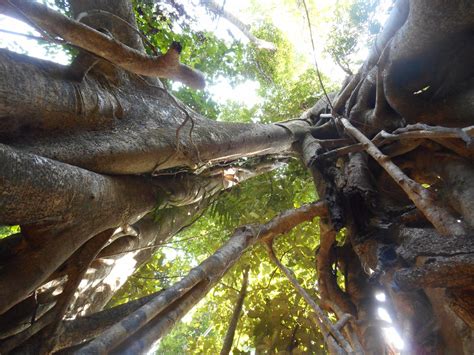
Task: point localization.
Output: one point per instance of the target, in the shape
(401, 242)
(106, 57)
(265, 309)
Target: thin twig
(42, 39)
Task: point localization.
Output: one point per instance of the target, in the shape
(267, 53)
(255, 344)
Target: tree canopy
(139, 210)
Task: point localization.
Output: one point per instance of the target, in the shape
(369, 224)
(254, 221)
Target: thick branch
(446, 272)
(444, 222)
(85, 37)
(34, 192)
(143, 141)
(327, 282)
(80, 260)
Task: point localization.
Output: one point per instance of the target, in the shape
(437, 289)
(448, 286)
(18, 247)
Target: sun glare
(383, 315)
(391, 335)
(380, 296)
(393, 338)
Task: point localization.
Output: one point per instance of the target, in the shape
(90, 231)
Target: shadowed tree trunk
(89, 150)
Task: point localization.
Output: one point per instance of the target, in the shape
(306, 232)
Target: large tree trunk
(89, 150)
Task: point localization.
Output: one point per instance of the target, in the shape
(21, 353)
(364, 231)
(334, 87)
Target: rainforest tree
(101, 165)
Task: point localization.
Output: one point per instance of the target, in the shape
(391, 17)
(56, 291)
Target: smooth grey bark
(148, 337)
(124, 255)
(152, 230)
(102, 129)
(122, 9)
(138, 138)
(51, 188)
(105, 202)
(432, 52)
(89, 326)
(83, 328)
(35, 98)
(102, 279)
(94, 295)
(103, 45)
(97, 124)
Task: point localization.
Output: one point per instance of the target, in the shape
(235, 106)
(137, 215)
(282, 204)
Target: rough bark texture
(90, 149)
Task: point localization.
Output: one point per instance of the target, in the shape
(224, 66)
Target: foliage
(275, 318)
(201, 50)
(272, 309)
(6, 231)
(272, 67)
(355, 27)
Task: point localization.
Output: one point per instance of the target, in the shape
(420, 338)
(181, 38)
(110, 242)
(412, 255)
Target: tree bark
(89, 149)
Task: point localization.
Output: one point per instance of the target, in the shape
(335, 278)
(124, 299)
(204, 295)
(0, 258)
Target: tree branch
(229, 336)
(321, 318)
(213, 6)
(89, 39)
